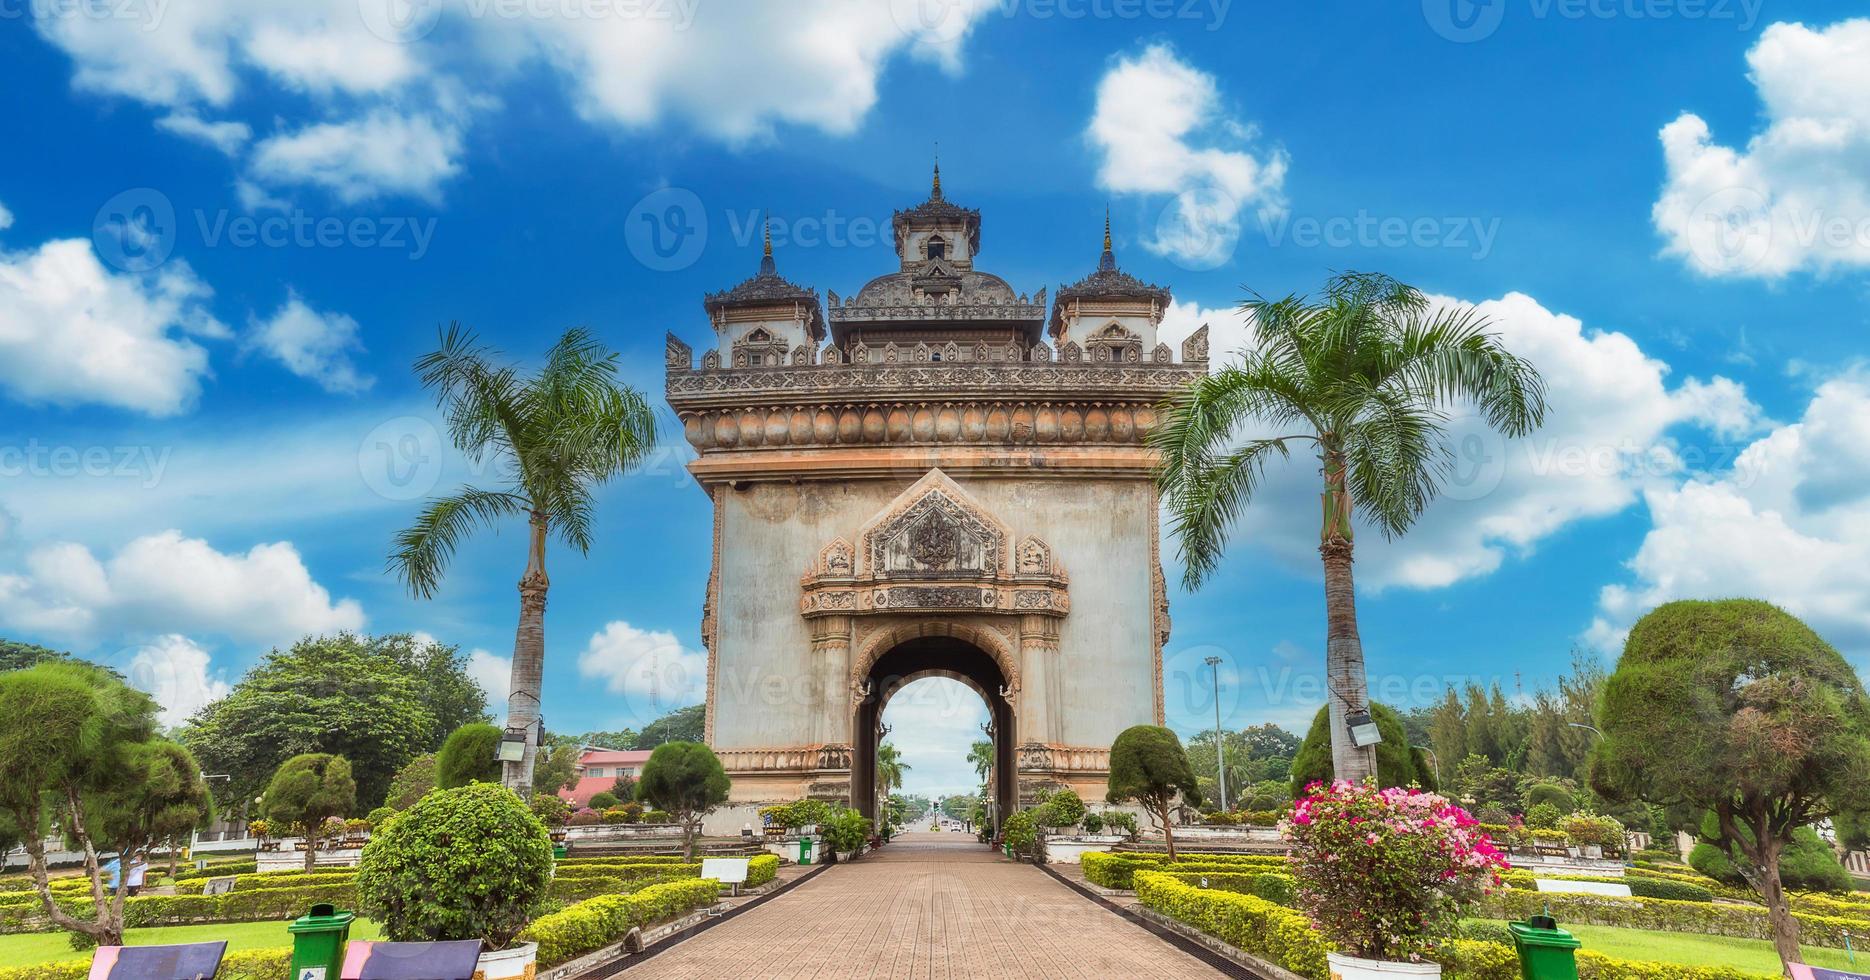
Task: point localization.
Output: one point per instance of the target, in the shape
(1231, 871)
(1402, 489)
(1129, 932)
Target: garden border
(614, 964)
(1227, 965)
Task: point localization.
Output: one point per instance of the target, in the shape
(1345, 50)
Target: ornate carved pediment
(935, 548)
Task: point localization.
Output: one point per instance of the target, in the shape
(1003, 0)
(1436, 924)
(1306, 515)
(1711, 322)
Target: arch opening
(923, 657)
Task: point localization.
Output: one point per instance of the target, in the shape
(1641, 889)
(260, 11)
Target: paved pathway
(930, 906)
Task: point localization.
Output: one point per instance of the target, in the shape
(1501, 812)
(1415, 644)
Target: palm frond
(1206, 502)
(424, 549)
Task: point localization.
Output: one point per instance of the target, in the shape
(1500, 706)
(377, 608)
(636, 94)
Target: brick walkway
(926, 906)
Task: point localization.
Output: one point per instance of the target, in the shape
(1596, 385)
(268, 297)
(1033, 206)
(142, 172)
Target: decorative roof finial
(1108, 261)
(935, 187)
(767, 268)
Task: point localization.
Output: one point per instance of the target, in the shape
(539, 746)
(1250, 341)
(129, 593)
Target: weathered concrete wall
(1100, 532)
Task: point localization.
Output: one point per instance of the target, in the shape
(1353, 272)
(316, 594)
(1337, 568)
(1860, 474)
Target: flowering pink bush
(1386, 873)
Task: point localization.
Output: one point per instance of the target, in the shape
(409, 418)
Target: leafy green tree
(448, 691)
(72, 731)
(680, 725)
(471, 862)
(603, 800)
(686, 779)
(1739, 709)
(959, 806)
(471, 755)
(1806, 864)
(18, 656)
(1398, 763)
(1148, 767)
(557, 769)
(158, 798)
(622, 739)
(412, 782)
(308, 790)
(344, 694)
(1365, 377)
(559, 434)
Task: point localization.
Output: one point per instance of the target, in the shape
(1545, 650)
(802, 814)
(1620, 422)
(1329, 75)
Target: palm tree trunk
(1345, 686)
(527, 677)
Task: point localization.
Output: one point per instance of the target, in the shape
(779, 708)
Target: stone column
(830, 690)
(1040, 696)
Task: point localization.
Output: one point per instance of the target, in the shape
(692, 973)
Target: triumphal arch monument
(939, 475)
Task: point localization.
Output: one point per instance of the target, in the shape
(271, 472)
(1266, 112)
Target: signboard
(410, 961)
(195, 961)
(727, 871)
(219, 886)
(1583, 887)
(1802, 972)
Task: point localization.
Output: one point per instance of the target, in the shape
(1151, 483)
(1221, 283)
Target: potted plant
(1385, 874)
(845, 834)
(1020, 833)
(471, 862)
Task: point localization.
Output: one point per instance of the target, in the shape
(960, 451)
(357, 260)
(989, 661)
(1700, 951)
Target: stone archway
(934, 653)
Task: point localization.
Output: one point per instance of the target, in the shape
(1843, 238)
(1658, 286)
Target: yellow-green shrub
(593, 924)
(1272, 932)
(252, 964)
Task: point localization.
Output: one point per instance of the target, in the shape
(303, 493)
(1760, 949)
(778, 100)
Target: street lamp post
(1220, 741)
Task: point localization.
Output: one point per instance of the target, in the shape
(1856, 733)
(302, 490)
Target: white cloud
(650, 668)
(1789, 522)
(357, 70)
(1161, 129)
(932, 722)
(1797, 196)
(227, 136)
(175, 671)
(166, 583)
(494, 675)
(383, 152)
(312, 345)
(1609, 433)
(73, 332)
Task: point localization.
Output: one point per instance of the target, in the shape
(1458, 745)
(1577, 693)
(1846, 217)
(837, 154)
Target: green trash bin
(805, 850)
(318, 939)
(1546, 952)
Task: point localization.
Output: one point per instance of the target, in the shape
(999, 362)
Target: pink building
(598, 770)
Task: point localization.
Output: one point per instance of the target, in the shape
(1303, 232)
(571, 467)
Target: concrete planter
(518, 963)
(1354, 968)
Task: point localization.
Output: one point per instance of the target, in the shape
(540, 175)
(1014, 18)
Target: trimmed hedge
(247, 867)
(272, 879)
(762, 869)
(250, 964)
(1271, 932)
(577, 885)
(1738, 921)
(596, 923)
(1285, 937)
(1115, 870)
(573, 862)
(1679, 891)
(1274, 886)
(252, 905)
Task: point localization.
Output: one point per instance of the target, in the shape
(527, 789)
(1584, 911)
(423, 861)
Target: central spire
(1108, 261)
(935, 186)
(767, 267)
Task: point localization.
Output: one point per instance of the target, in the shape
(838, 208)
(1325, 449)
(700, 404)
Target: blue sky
(228, 229)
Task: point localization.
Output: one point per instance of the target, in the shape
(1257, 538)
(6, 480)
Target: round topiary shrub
(1557, 796)
(1543, 816)
(471, 754)
(604, 800)
(465, 863)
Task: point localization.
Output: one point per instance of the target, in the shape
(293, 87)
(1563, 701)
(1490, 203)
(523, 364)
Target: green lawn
(1694, 949)
(42, 947)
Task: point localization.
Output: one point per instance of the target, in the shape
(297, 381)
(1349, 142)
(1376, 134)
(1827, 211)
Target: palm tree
(890, 767)
(555, 436)
(980, 756)
(1365, 376)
